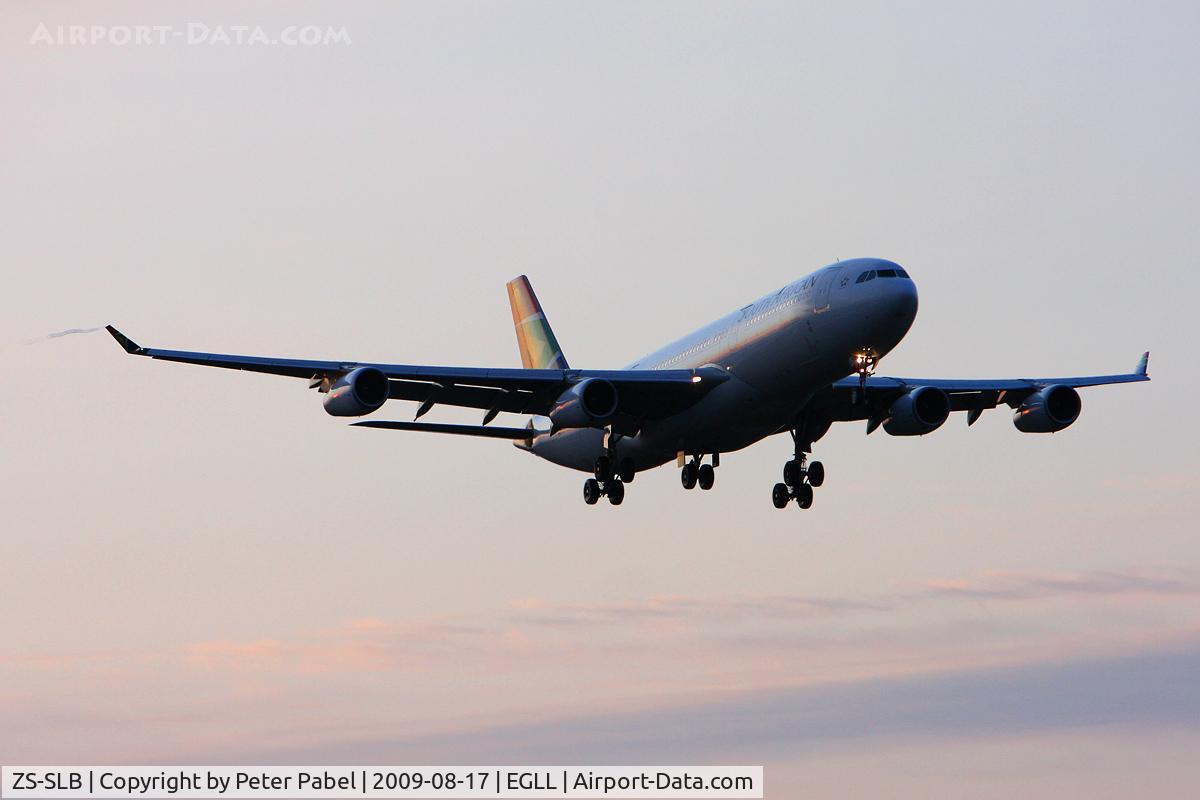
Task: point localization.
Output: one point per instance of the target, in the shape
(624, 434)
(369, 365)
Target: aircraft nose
(895, 305)
(902, 301)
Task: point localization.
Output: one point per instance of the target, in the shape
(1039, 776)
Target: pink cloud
(533, 628)
(536, 656)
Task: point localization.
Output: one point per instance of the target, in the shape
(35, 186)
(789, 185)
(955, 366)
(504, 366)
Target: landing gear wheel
(591, 491)
(781, 495)
(615, 491)
(706, 477)
(626, 470)
(688, 476)
(816, 473)
(804, 495)
(603, 469)
(792, 473)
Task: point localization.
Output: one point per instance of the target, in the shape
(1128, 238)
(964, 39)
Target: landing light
(696, 379)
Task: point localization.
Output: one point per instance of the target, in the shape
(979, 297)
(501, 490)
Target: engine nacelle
(1049, 410)
(921, 411)
(356, 393)
(590, 403)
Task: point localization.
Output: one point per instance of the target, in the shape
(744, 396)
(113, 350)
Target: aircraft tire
(603, 468)
(626, 470)
(804, 496)
(687, 476)
(816, 473)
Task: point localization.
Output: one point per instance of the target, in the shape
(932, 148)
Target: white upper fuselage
(778, 350)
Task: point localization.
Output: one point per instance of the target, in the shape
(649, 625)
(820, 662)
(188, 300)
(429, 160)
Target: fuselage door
(824, 286)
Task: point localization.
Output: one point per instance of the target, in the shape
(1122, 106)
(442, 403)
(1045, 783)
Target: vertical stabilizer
(539, 348)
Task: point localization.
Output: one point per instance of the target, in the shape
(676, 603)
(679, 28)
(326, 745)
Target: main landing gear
(611, 475)
(695, 474)
(800, 477)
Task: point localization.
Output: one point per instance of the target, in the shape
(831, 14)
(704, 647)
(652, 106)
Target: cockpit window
(872, 274)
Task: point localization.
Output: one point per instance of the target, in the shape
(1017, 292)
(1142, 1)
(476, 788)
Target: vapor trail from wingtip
(60, 334)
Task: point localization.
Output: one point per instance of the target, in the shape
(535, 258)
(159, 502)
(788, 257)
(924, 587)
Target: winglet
(1143, 364)
(128, 344)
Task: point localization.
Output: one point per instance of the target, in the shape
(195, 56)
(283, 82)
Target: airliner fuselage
(778, 351)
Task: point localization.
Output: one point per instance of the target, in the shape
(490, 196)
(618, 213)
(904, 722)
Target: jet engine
(1049, 410)
(921, 411)
(356, 393)
(590, 403)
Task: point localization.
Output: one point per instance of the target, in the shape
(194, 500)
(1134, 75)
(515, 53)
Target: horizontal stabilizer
(440, 427)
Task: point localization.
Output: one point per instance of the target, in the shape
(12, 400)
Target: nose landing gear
(864, 363)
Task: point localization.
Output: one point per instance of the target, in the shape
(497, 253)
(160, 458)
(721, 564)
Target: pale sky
(201, 566)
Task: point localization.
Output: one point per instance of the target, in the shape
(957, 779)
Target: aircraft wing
(841, 401)
(644, 394)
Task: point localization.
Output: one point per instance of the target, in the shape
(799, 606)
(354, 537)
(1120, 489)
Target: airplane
(794, 361)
